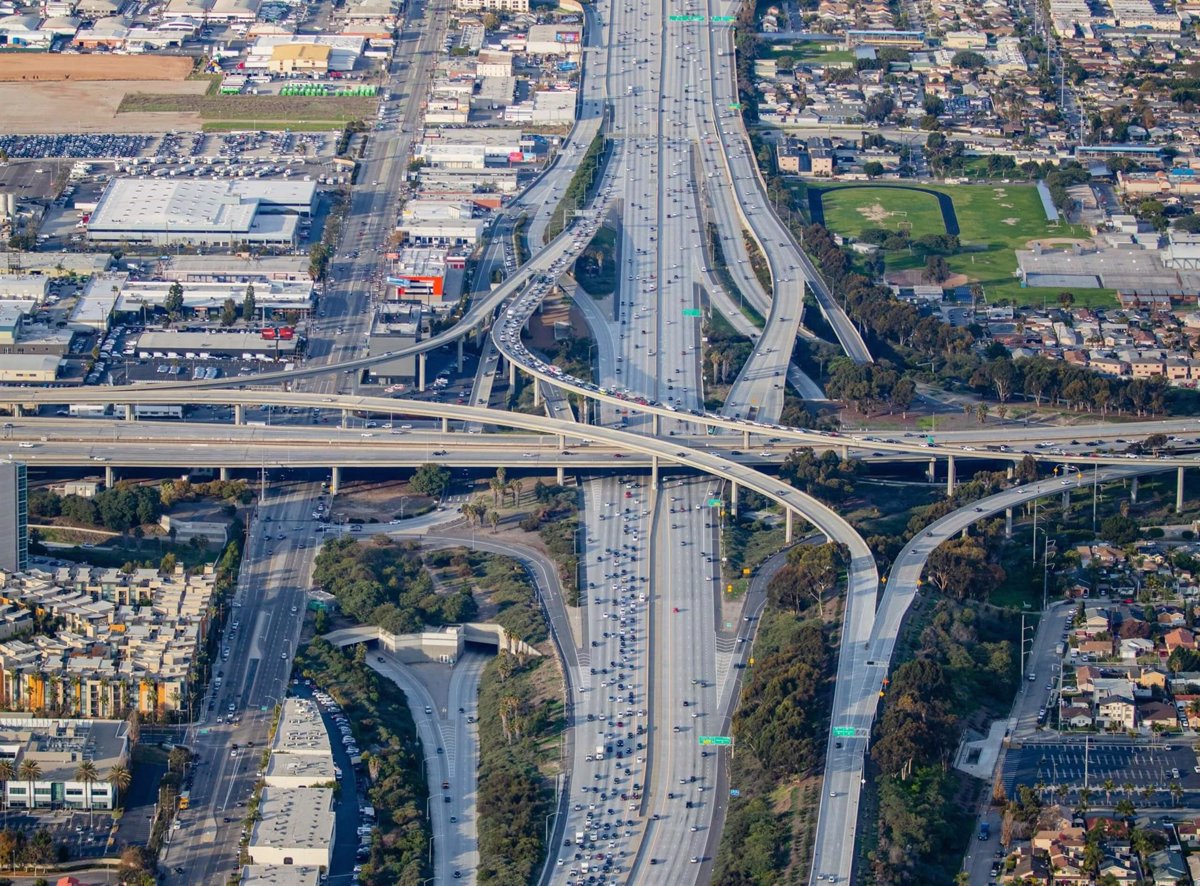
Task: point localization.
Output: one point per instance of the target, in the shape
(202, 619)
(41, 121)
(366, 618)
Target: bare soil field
(70, 106)
(27, 66)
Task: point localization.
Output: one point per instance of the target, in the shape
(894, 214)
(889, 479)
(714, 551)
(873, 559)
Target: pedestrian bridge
(442, 644)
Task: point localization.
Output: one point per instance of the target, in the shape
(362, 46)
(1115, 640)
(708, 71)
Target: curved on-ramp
(865, 659)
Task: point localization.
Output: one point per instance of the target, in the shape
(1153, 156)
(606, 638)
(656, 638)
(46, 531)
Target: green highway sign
(714, 502)
(691, 312)
(736, 106)
(723, 18)
(716, 739)
(685, 18)
(843, 731)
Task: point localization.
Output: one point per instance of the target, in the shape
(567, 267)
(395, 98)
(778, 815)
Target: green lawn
(995, 220)
(813, 52)
(853, 210)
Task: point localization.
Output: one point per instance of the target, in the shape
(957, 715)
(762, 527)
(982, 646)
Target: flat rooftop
(60, 745)
(301, 729)
(212, 341)
(183, 206)
(279, 875)
(294, 818)
(314, 768)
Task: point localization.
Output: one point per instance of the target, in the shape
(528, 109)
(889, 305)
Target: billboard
(566, 36)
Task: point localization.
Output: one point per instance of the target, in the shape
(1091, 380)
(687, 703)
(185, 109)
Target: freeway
(865, 659)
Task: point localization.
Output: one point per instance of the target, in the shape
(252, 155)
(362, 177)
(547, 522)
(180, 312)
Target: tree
(936, 269)
(249, 304)
(968, 60)
(120, 778)
(87, 774)
(28, 772)
(228, 312)
(7, 773)
(167, 565)
(879, 107)
(173, 303)
(430, 479)
(1066, 299)
(318, 261)
(872, 168)
(493, 519)
(959, 567)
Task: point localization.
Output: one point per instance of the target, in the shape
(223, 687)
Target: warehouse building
(272, 875)
(469, 148)
(555, 40)
(58, 746)
(201, 212)
(253, 269)
(29, 368)
(204, 345)
(299, 58)
(295, 827)
(394, 327)
(344, 49)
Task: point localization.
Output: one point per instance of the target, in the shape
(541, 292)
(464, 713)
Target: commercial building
(23, 287)
(14, 517)
(296, 58)
(29, 368)
(233, 269)
(555, 40)
(425, 276)
(394, 327)
(204, 345)
(344, 50)
(554, 108)
(273, 875)
(58, 747)
(300, 755)
(469, 148)
(201, 212)
(295, 827)
(440, 223)
(492, 5)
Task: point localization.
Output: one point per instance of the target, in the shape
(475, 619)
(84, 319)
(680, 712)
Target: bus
(185, 799)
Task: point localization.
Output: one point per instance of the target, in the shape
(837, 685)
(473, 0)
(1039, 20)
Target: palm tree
(87, 773)
(28, 772)
(518, 486)
(1125, 807)
(493, 519)
(1109, 786)
(1176, 792)
(7, 772)
(120, 778)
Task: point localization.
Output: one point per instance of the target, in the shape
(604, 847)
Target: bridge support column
(1011, 472)
(1008, 522)
(109, 476)
(655, 423)
(845, 453)
(537, 391)
(561, 441)
(130, 415)
(421, 360)
(445, 425)
(1133, 490)
(460, 355)
(966, 533)
(789, 525)
(932, 472)
(745, 439)
(335, 479)
(560, 475)
(654, 472)
(1066, 500)
(950, 475)
(17, 410)
(1179, 490)
(734, 489)
(224, 475)
(512, 374)
(239, 414)
(346, 418)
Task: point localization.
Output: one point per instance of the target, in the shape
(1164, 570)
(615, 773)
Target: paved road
(865, 659)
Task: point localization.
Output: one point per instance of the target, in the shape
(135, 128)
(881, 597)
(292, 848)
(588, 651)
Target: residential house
(1167, 867)
(1179, 638)
(1155, 713)
(1116, 712)
(1135, 647)
(1075, 716)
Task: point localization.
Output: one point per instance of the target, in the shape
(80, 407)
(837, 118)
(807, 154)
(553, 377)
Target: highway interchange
(655, 666)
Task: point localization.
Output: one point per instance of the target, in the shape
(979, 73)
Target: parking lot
(84, 838)
(1142, 766)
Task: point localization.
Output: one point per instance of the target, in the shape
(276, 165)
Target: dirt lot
(27, 66)
(74, 106)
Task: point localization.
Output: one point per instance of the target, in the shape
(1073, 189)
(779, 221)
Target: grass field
(812, 52)
(296, 110)
(995, 220)
(853, 210)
